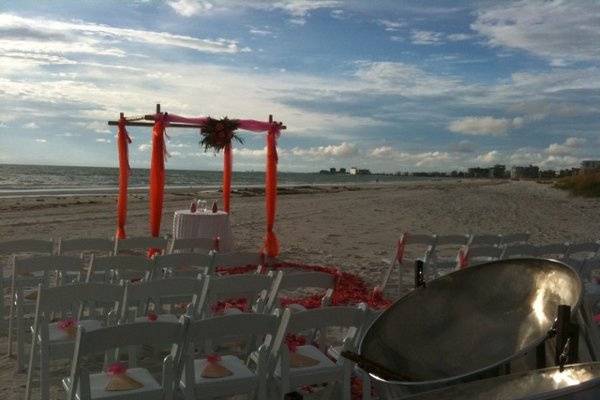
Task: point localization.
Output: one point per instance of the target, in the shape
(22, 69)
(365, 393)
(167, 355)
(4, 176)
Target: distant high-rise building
(529, 172)
(590, 165)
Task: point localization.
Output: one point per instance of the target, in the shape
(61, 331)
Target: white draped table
(203, 224)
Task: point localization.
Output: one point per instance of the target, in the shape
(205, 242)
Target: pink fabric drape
(271, 245)
(157, 176)
(227, 171)
(123, 141)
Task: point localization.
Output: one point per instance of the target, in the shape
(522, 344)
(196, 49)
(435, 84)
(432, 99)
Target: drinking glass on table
(202, 204)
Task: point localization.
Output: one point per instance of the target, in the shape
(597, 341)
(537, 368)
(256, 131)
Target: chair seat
(160, 318)
(241, 381)
(55, 334)
(150, 391)
(325, 371)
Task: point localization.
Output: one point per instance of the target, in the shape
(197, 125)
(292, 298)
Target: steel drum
(575, 382)
(464, 325)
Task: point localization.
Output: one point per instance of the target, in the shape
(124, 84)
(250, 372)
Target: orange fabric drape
(271, 245)
(157, 175)
(227, 171)
(123, 141)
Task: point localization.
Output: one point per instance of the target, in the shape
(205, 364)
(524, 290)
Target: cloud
(102, 140)
(342, 150)
(570, 147)
(39, 140)
(144, 147)
(260, 32)
(31, 125)
(458, 37)
(96, 126)
(382, 152)
(189, 8)
(82, 37)
(559, 31)
(484, 125)
(391, 26)
(426, 37)
(490, 157)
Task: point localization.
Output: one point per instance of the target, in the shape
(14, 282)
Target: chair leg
(44, 373)
(10, 323)
(20, 342)
(32, 363)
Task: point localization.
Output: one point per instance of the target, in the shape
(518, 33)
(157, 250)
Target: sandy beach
(350, 227)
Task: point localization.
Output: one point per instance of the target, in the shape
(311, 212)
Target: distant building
(590, 165)
(353, 171)
(498, 171)
(547, 174)
(357, 171)
(478, 172)
(529, 172)
(332, 170)
(342, 170)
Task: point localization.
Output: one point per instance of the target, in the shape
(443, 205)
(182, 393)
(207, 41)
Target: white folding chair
(140, 245)
(236, 259)
(191, 245)
(481, 254)
(18, 248)
(287, 378)
(293, 282)
(251, 289)
(164, 295)
(184, 264)
(122, 267)
(27, 274)
(406, 252)
(92, 305)
(553, 250)
(584, 250)
(514, 238)
(519, 250)
(435, 266)
(484, 239)
(83, 385)
(248, 376)
(82, 246)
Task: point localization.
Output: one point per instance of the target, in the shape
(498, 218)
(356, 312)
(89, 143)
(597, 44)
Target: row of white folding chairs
(60, 300)
(106, 246)
(260, 291)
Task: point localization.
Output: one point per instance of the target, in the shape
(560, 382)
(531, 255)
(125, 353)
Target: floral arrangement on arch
(218, 133)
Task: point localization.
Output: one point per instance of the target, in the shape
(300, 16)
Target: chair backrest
(515, 238)
(553, 250)
(480, 252)
(301, 280)
(12, 247)
(182, 263)
(76, 297)
(140, 243)
(583, 249)
(334, 316)
(127, 267)
(519, 250)
(451, 240)
(216, 328)
(160, 292)
(85, 245)
(93, 342)
(418, 238)
(485, 239)
(244, 286)
(41, 269)
(237, 259)
(202, 245)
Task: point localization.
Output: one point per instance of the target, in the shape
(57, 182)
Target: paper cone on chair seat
(215, 370)
(299, 361)
(32, 296)
(71, 331)
(122, 382)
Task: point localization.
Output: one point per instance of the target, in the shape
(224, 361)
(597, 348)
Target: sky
(388, 85)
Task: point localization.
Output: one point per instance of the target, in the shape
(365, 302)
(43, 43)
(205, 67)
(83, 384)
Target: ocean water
(61, 179)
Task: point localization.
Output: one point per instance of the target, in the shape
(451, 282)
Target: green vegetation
(587, 185)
